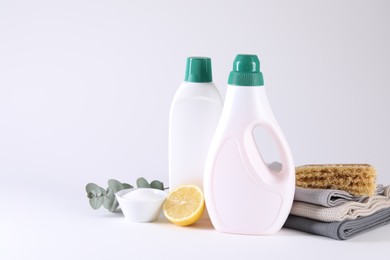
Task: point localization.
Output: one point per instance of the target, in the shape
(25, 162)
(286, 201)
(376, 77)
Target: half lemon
(184, 205)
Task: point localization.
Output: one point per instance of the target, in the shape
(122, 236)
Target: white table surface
(50, 218)
(85, 91)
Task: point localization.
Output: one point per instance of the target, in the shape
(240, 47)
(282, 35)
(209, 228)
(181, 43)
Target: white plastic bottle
(243, 194)
(194, 115)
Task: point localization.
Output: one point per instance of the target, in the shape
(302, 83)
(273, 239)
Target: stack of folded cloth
(341, 206)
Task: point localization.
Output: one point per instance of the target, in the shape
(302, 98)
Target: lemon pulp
(184, 205)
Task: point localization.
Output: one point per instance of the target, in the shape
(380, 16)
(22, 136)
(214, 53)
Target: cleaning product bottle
(195, 111)
(243, 194)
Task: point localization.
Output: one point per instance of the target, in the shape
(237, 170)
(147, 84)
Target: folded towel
(357, 179)
(340, 230)
(328, 197)
(347, 210)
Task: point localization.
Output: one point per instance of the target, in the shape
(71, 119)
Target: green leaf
(108, 202)
(157, 185)
(127, 186)
(91, 195)
(114, 206)
(110, 192)
(96, 202)
(142, 183)
(115, 185)
(93, 188)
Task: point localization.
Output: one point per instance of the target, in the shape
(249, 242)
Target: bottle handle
(260, 167)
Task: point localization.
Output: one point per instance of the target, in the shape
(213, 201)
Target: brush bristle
(357, 179)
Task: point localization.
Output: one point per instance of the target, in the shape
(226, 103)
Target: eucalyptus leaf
(142, 183)
(96, 202)
(92, 187)
(114, 206)
(157, 185)
(91, 195)
(115, 185)
(110, 192)
(108, 202)
(127, 186)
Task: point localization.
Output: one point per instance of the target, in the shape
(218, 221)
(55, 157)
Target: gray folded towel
(324, 197)
(347, 210)
(340, 230)
(328, 197)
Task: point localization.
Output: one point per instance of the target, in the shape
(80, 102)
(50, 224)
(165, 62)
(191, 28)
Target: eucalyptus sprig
(98, 196)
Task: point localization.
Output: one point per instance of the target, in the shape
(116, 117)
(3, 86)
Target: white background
(86, 86)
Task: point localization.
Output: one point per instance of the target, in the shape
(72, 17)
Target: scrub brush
(357, 179)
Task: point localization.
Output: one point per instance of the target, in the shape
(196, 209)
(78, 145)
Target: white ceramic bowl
(141, 204)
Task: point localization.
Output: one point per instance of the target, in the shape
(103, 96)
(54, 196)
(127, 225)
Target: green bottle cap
(246, 71)
(198, 69)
